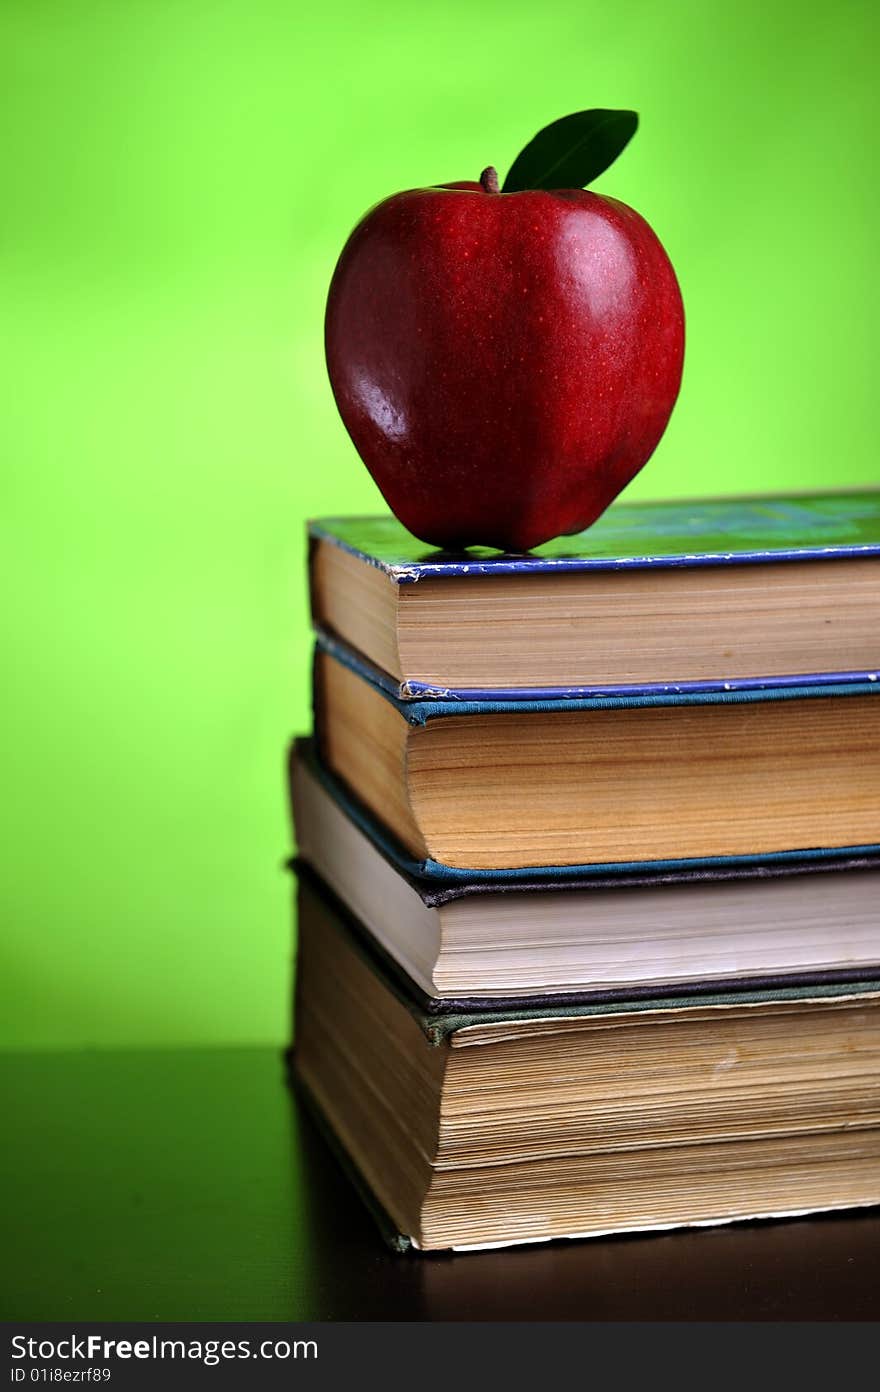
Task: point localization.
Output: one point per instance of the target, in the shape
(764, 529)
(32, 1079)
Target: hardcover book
(518, 1125)
(707, 595)
(701, 776)
(472, 944)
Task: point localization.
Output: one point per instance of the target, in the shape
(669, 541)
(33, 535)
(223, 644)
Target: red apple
(504, 362)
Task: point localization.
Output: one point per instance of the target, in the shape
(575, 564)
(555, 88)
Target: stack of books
(589, 871)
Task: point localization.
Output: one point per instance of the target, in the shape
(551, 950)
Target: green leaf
(572, 152)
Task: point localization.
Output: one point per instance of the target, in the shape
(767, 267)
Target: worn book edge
(419, 703)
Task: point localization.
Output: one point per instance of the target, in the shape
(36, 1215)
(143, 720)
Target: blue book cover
(418, 710)
(818, 527)
(705, 532)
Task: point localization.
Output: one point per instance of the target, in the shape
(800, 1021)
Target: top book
(654, 597)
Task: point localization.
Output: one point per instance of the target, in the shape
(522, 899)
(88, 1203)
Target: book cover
(421, 697)
(440, 705)
(704, 532)
(434, 705)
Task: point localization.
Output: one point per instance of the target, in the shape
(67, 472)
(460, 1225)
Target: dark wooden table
(187, 1185)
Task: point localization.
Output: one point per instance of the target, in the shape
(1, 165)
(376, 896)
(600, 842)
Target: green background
(178, 181)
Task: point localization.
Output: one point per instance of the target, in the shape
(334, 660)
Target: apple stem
(489, 179)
